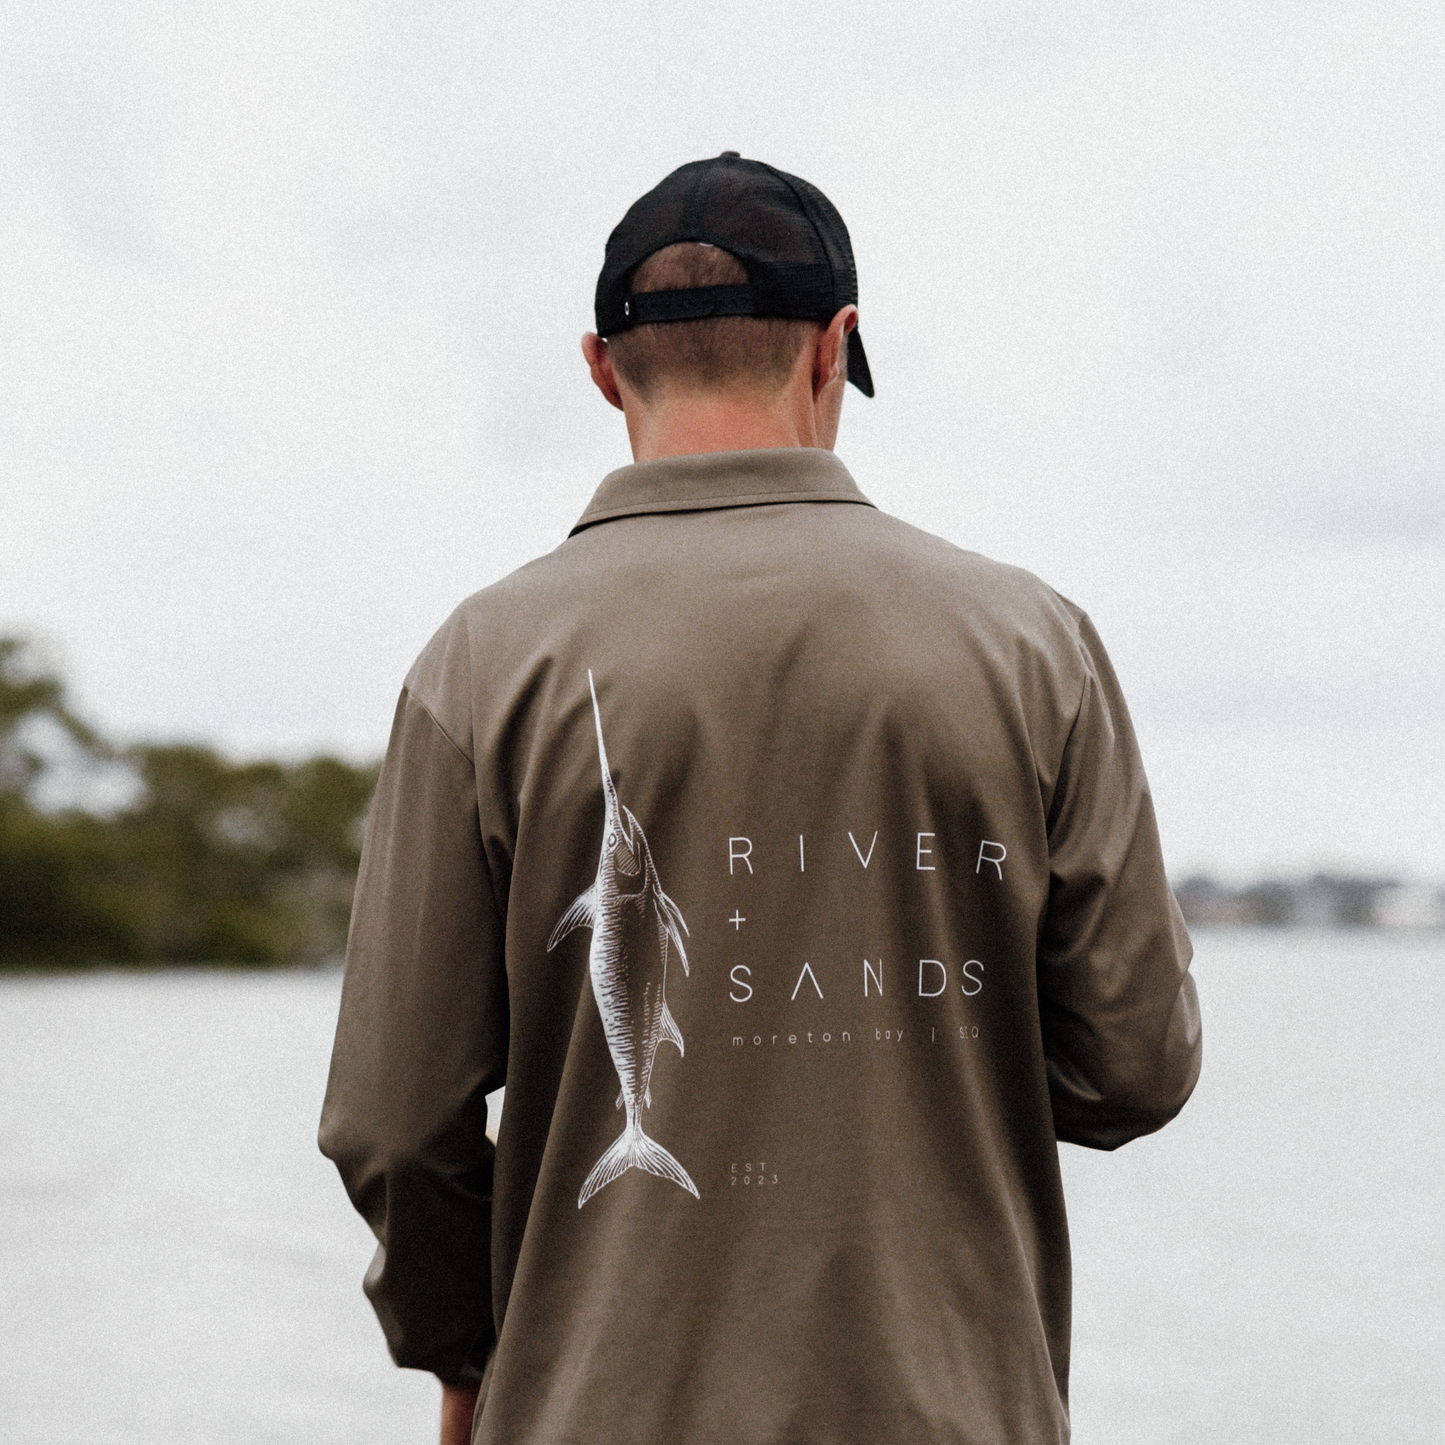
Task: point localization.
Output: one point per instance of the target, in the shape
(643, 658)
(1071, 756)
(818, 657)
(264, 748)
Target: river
(181, 1265)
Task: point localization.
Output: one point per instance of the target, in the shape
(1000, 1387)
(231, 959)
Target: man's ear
(599, 363)
(830, 356)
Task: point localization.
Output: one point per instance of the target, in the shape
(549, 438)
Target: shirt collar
(722, 479)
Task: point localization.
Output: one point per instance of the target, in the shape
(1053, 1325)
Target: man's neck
(686, 425)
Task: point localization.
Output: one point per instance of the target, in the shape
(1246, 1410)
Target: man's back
(882, 796)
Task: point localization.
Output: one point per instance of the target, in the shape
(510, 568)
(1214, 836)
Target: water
(179, 1264)
(1271, 1268)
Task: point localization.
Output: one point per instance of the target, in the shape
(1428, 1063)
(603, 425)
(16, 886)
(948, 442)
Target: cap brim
(858, 372)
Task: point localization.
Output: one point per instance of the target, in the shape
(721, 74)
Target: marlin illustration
(634, 924)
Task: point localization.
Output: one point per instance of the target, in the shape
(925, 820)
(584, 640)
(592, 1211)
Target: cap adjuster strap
(697, 303)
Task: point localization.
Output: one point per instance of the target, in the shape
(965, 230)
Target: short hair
(757, 352)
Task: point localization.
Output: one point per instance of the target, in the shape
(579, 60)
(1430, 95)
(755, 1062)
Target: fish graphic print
(635, 926)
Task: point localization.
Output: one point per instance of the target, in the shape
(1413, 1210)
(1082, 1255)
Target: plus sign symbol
(737, 920)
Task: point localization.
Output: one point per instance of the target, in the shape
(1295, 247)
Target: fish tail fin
(632, 1149)
(612, 1164)
(652, 1157)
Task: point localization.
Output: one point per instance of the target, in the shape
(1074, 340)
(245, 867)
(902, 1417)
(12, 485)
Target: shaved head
(721, 353)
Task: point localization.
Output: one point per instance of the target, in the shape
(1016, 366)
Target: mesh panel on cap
(759, 224)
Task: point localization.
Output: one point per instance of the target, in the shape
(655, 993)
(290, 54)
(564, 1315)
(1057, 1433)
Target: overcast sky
(1153, 295)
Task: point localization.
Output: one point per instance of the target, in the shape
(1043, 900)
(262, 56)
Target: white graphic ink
(859, 851)
(745, 855)
(868, 972)
(996, 859)
(634, 924)
(969, 978)
(941, 976)
(925, 853)
(740, 968)
(810, 976)
(802, 862)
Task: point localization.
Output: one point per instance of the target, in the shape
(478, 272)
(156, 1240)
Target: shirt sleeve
(421, 1041)
(1118, 1007)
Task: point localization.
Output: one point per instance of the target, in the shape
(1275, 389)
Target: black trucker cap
(787, 234)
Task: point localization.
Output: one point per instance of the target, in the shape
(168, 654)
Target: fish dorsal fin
(669, 915)
(579, 915)
(670, 1029)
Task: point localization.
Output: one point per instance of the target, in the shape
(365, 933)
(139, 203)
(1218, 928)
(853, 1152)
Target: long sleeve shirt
(796, 872)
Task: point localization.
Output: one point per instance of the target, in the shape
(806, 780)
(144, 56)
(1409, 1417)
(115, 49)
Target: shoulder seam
(436, 723)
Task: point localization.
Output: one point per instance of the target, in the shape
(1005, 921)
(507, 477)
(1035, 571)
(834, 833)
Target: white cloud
(288, 342)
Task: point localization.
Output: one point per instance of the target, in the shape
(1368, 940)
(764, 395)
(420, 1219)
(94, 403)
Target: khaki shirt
(792, 995)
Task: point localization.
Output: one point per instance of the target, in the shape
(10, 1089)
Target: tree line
(206, 861)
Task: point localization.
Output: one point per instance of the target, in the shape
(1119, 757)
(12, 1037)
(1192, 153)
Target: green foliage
(214, 861)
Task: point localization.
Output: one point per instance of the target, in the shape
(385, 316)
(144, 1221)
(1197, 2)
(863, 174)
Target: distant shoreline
(334, 966)
(1324, 900)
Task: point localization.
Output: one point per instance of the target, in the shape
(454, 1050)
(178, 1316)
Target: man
(796, 873)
